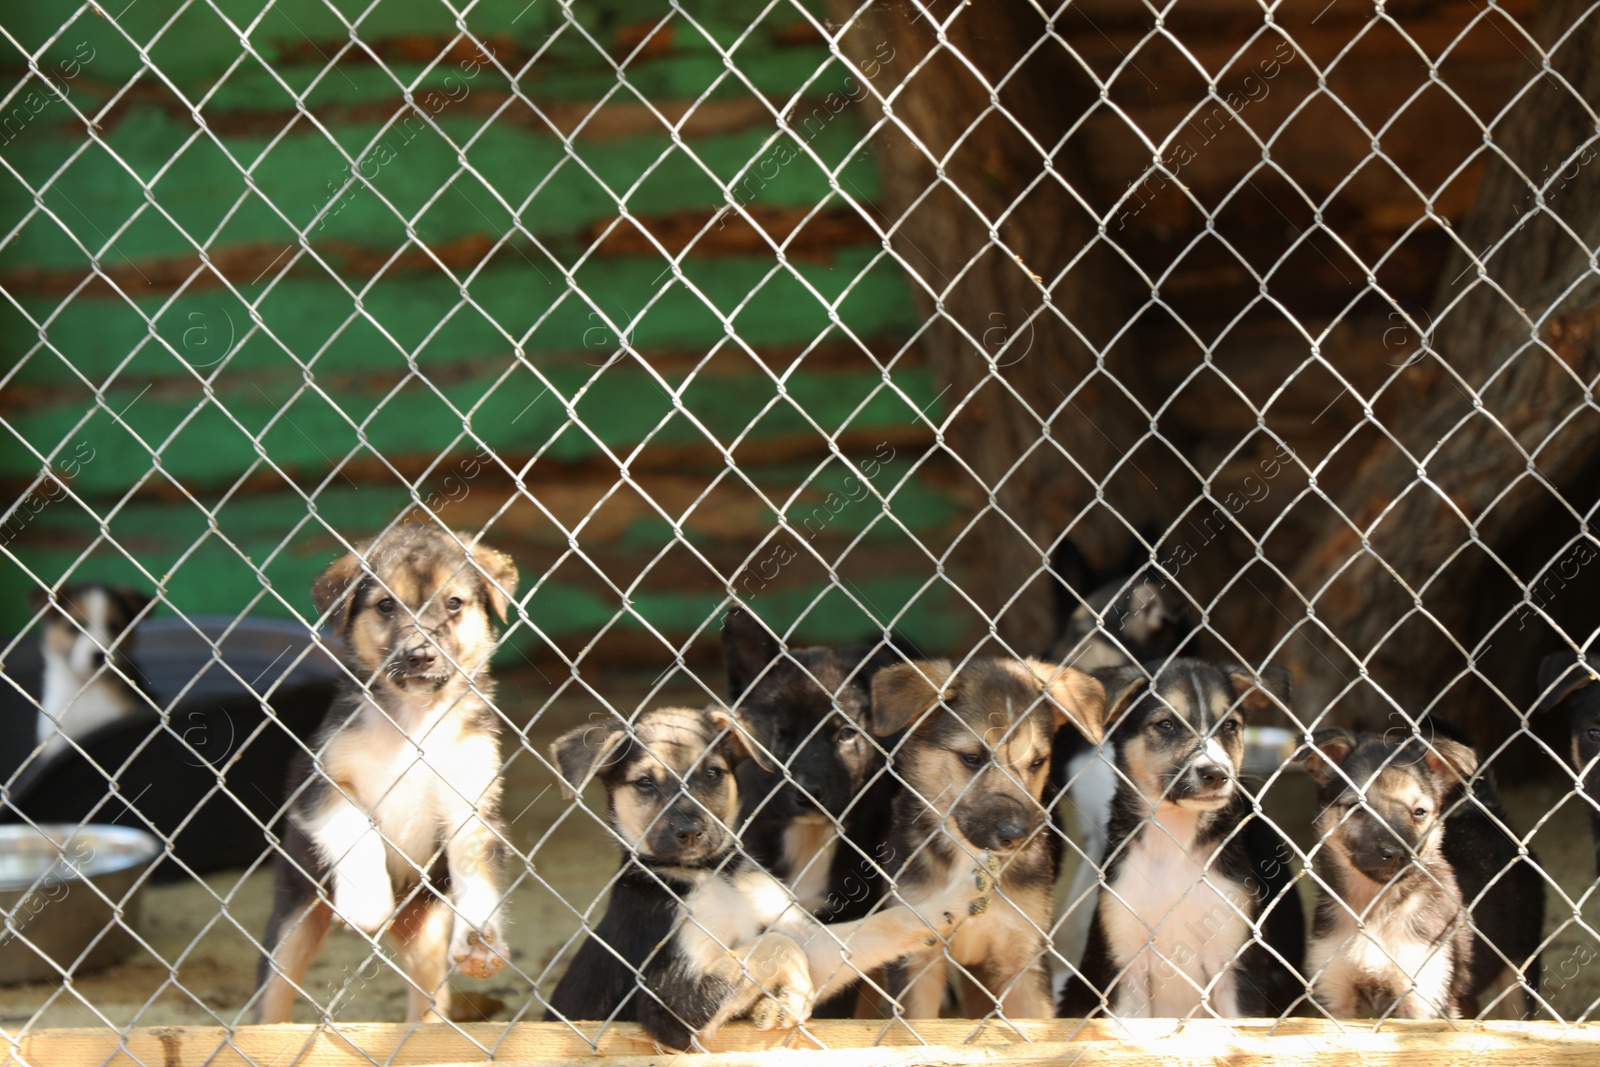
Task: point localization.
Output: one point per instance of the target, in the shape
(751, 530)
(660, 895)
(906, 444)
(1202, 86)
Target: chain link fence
(1117, 477)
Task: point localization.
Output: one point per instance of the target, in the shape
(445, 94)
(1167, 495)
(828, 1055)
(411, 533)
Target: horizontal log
(812, 236)
(934, 1043)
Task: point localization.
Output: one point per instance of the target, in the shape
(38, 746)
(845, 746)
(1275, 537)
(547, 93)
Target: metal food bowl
(60, 890)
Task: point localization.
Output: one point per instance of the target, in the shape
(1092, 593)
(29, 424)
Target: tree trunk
(980, 206)
(1389, 600)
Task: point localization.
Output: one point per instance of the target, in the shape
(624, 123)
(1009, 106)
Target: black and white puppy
(89, 678)
(695, 933)
(395, 826)
(1201, 912)
(1564, 680)
(1426, 904)
(818, 816)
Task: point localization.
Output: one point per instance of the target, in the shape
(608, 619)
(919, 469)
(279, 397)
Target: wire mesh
(848, 337)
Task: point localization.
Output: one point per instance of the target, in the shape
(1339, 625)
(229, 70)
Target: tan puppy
(396, 827)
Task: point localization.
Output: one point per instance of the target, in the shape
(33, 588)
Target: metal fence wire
(990, 510)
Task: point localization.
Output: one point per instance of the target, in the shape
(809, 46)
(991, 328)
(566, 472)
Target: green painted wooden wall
(213, 416)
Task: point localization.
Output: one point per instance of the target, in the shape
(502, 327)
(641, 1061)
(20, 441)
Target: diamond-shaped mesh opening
(990, 512)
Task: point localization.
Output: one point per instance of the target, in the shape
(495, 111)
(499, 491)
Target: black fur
(794, 703)
(1563, 680)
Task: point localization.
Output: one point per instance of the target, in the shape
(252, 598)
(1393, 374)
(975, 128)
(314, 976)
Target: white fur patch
(808, 847)
(1175, 926)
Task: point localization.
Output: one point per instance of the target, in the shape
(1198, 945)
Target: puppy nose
(97, 658)
(689, 837)
(1210, 774)
(1010, 831)
(421, 656)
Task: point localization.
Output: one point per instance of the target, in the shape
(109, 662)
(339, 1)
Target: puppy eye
(1419, 813)
(849, 734)
(644, 784)
(1164, 725)
(1036, 764)
(1594, 733)
(972, 759)
(386, 606)
(454, 603)
(1352, 805)
(712, 774)
(1230, 727)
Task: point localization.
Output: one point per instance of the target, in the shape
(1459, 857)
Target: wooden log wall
(482, 303)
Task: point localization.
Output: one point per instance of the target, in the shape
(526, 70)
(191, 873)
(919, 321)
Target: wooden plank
(957, 1043)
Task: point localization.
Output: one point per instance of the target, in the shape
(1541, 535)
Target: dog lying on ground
(89, 679)
(695, 933)
(1412, 862)
(1200, 912)
(973, 749)
(396, 826)
(1563, 680)
(819, 819)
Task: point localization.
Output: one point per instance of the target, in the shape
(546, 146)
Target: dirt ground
(200, 964)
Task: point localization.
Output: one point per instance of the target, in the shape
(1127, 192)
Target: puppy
(1130, 616)
(87, 669)
(1200, 912)
(695, 933)
(396, 825)
(1411, 860)
(819, 818)
(972, 747)
(1563, 680)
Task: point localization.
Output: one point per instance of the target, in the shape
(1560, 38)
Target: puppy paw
(782, 1011)
(477, 953)
(985, 878)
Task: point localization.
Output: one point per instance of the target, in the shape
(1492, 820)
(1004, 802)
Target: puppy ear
(1561, 675)
(1259, 696)
(739, 739)
(1079, 698)
(583, 750)
(747, 647)
(133, 600)
(1451, 759)
(333, 591)
(1325, 753)
(1123, 686)
(902, 693)
(499, 575)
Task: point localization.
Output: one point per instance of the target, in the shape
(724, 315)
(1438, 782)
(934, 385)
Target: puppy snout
(1011, 831)
(688, 832)
(421, 656)
(1211, 775)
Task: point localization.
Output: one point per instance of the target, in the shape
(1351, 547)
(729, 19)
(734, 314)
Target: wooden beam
(936, 1043)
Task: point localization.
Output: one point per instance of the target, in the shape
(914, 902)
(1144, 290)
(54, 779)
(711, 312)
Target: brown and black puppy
(396, 826)
(818, 817)
(974, 757)
(1200, 913)
(695, 933)
(1564, 680)
(1411, 860)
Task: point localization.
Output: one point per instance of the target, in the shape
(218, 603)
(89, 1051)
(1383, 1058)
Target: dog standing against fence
(86, 648)
(973, 749)
(1424, 898)
(396, 827)
(1192, 873)
(695, 933)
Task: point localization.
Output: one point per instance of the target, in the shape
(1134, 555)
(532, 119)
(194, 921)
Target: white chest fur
(74, 707)
(418, 785)
(1174, 923)
(1380, 950)
(725, 911)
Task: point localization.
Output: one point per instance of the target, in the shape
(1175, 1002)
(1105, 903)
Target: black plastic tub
(204, 766)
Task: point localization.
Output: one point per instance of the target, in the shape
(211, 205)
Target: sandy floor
(200, 963)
